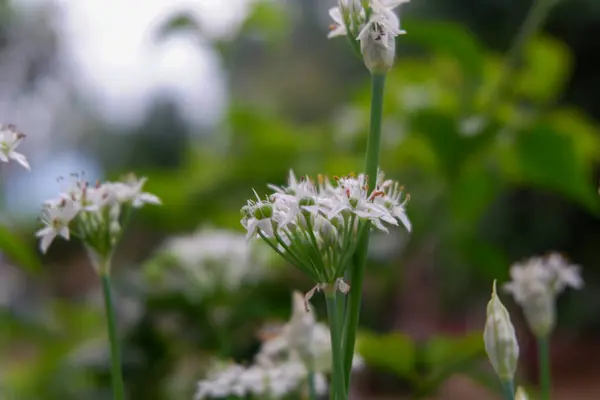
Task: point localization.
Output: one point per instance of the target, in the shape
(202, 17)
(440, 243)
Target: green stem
(116, 374)
(360, 256)
(536, 16)
(335, 328)
(543, 345)
(312, 390)
(508, 388)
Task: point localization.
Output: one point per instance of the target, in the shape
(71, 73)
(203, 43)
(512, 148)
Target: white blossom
(211, 260)
(535, 285)
(56, 221)
(92, 212)
(10, 139)
(282, 365)
(315, 225)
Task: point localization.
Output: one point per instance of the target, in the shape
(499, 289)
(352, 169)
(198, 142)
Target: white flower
(281, 367)
(211, 260)
(130, 191)
(97, 212)
(56, 220)
(535, 285)
(315, 226)
(10, 139)
(259, 217)
(389, 194)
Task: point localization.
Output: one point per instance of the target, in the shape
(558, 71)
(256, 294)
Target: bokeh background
(211, 98)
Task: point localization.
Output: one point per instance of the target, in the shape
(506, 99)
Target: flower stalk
(336, 326)
(508, 389)
(115, 352)
(543, 345)
(357, 271)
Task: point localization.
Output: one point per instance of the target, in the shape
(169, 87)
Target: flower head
(500, 339)
(208, 261)
(535, 285)
(374, 24)
(10, 139)
(315, 224)
(93, 213)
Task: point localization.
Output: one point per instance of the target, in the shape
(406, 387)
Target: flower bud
(521, 394)
(378, 48)
(500, 339)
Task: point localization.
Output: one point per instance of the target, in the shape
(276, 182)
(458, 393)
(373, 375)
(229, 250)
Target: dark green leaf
(394, 352)
(18, 251)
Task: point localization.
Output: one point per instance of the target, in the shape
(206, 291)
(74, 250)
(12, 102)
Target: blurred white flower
(535, 285)
(282, 364)
(56, 222)
(92, 212)
(211, 260)
(10, 139)
(521, 394)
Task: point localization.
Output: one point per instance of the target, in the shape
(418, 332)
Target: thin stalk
(357, 272)
(335, 327)
(312, 390)
(115, 356)
(508, 388)
(536, 16)
(543, 345)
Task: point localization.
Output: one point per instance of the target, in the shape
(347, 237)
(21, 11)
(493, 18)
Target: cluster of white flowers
(316, 225)
(535, 285)
(374, 24)
(211, 259)
(10, 139)
(93, 213)
(282, 364)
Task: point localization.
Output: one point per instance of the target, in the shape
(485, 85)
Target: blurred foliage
(461, 161)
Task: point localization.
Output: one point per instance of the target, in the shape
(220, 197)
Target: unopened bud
(378, 48)
(521, 394)
(500, 339)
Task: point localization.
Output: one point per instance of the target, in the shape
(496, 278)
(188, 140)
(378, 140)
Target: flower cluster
(535, 285)
(10, 139)
(95, 214)
(282, 364)
(374, 24)
(316, 225)
(211, 260)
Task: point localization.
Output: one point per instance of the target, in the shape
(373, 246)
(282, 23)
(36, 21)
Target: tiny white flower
(535, 285)
(10, 139)
(56, 221)
(130, 190)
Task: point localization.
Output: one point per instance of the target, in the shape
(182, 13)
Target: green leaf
(447, 356)
(394, 352)
(550, 159)
(442, 351)
(451, 39)
(547, 68)
(18, 251)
